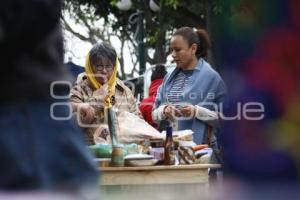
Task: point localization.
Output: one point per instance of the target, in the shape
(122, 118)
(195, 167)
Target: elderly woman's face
(103, 70)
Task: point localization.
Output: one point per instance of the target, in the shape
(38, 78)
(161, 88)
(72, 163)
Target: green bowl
(101, 150)
(104, 150)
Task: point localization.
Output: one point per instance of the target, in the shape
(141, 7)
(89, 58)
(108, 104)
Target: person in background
(146, 104)
(73, 69)
(97, 89)
(39, 149)
(190, 95)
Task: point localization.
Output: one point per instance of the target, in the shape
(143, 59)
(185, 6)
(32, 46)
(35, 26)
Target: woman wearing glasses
(98, 88)
(190, 95)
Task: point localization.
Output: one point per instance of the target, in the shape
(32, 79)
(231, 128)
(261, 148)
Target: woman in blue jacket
(191, 95)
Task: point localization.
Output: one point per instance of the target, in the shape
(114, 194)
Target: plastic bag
(133, 129)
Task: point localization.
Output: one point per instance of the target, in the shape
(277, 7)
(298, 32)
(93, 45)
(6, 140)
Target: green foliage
(170, 3)
(218, 7)
(173, 14)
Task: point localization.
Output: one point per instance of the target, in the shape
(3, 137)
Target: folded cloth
(186, 155)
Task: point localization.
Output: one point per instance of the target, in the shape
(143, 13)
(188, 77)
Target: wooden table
(180, 174)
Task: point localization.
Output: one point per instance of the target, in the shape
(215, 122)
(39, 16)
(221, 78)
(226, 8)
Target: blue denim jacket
(205, 88)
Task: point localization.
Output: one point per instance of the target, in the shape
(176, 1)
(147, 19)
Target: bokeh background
(257, 46)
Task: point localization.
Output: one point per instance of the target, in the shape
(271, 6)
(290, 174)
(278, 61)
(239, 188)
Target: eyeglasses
(102, 67)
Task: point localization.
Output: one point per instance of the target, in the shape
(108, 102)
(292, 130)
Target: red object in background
(275, 65)
(294, 12)
(147, 103)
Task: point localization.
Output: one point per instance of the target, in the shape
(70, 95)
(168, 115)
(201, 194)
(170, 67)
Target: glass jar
(117, 156)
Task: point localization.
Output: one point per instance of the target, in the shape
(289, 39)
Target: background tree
(159, 26)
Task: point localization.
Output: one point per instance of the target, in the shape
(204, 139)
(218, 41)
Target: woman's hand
(188, 111)
(171, 112)
(87, 113)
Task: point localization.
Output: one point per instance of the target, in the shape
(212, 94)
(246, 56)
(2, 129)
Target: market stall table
(162, 174)
(157, 182)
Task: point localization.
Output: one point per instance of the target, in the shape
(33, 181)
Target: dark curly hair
(158, 72)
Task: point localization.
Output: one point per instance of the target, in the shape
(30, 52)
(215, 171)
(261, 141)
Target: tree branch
(183, 14)
(94, 33)
(70, 29)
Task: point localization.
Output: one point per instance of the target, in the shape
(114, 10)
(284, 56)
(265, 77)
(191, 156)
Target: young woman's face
(183, 55)
(103, 69)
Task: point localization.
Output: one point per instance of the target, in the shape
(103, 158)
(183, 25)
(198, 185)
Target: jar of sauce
(117, 156)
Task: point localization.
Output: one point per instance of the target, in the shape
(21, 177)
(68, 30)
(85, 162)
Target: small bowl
(141, 163)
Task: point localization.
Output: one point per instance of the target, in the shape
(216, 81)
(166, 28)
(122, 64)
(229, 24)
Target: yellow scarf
(111, 82)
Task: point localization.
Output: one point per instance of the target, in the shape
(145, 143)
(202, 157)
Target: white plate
(138, 157)
(140, 163)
